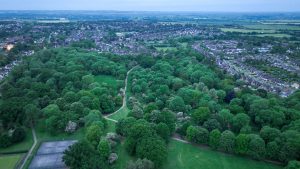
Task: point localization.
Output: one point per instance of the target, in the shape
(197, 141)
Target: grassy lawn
(22, 146)
(247, 30)
(124, 157)
(274, 27)
(185, 156)
(184, 44)
(120, 114)
(164, 49)
(276, 35)
(9, 161)
(111, 126)
(110, 80)
(43, 135)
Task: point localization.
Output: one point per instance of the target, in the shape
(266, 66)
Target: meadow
(273, 27)
(9, 161)
(122, 113)
(186, 156)
(247, 30)
(275, 35)
(164, 49)
(109, 80)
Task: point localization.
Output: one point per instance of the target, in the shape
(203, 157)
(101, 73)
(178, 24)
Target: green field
(22, 146)
(111, 126)
(164, 49)
(186, 156)
(43, 135)
(9, 161)
(273, 27)
(110, 80)
(124, 157)
(276, 35)
(122, 113)
(247, 30)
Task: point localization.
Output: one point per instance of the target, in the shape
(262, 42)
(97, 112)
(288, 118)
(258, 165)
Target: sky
(156, 5)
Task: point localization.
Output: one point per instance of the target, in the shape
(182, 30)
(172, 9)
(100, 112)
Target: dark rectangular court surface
(49, 155)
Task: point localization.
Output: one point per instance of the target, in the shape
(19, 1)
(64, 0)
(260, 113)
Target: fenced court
(49, 155)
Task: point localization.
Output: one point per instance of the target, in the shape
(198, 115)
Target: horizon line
(111, 10)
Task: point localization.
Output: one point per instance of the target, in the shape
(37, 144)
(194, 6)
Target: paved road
(29, 153)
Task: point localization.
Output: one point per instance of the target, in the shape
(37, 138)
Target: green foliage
(212, 124)
(104, 149)
(84, 44)
(183, 128)
(200, 115)
(82, 155)
(31, 112)
(166, 117)
(5, 141)
(140, 164)
(93, 134)
(227, 142)
(257, 148)
(240, 120)
(290, 145)
(272, 150)
(70, 84)
(269, 134)
(177, 104)
(214, 139)
(123, 125)
(225, 117)
(59, 82)
(93, 116)
(18, 135)
(163, 131)
(242, 144)
(197, 134)
(153, 149)
(293, 165)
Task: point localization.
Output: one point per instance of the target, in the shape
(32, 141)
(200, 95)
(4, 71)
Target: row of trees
(215, 109)
(145, 139)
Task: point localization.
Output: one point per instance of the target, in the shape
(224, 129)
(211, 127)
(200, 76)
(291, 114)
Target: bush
(5, 141)
(293, 165)
(197, 134)
(257, 148)
(140, 164)
(214, 139)
(227, 141)
(153, 149)
(18, 135)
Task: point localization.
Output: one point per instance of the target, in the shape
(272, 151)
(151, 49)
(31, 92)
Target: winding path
(175, 137)
(124, 98)
(29, 153)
